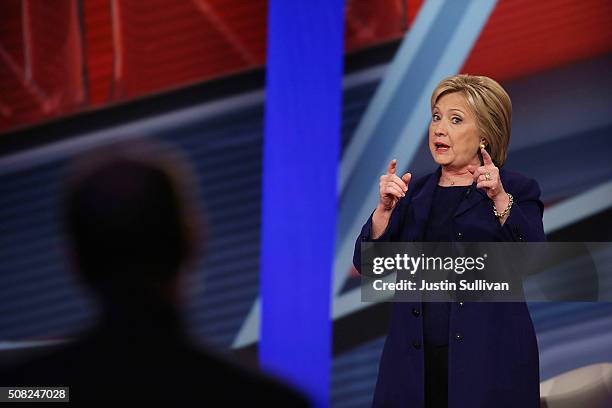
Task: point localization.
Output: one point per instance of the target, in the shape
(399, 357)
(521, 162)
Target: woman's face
(454, 137)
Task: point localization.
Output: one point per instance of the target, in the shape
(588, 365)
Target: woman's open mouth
(441, 147)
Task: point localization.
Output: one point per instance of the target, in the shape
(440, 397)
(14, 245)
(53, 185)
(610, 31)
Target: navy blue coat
(493, 353)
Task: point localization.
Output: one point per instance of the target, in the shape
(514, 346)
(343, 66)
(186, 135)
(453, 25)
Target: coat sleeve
(525, 220)
(391, 234)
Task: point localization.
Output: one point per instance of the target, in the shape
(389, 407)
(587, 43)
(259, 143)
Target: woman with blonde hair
(459, 354)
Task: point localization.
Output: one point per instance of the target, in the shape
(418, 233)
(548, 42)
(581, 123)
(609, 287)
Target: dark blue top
(440, 229)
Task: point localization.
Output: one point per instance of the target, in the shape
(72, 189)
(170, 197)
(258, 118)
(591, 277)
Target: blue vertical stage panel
(300, 167)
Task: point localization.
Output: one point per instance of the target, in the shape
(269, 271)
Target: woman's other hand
(392, 188)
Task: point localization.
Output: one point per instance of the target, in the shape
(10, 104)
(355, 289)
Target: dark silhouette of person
(132, 227)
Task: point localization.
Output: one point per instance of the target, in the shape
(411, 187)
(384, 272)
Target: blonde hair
(490, 104)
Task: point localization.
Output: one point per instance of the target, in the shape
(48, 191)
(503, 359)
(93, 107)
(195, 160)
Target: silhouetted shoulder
(150, 373)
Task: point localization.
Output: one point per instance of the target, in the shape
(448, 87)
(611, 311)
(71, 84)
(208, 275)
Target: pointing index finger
(486, 158)
(392, 167)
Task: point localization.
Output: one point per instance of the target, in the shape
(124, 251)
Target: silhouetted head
(130, 219)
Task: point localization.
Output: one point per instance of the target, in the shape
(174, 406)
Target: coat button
(416, 344)
(458, 336)
(460, 304)
(520, 238)
(416, 312)
(460, 235)
(364, 238)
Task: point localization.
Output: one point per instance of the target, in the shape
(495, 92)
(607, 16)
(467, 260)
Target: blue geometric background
(561, 131)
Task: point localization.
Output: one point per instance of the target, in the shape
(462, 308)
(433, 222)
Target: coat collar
(422, 201)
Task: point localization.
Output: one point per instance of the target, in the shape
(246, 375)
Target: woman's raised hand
(392, 188)
(487, 177)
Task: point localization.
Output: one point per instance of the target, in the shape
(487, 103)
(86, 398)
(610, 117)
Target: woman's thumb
(406, 178)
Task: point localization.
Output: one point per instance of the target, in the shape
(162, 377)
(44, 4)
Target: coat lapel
(473, 197)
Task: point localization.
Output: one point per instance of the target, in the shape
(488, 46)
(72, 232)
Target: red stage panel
(524, 36)
(62, 56)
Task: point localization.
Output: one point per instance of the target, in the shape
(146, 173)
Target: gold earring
(482, 145)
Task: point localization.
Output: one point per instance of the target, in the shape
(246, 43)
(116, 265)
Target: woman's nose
(440, 129)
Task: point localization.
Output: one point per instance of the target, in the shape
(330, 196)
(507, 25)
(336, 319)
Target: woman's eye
(435, 117)
(456, 120)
